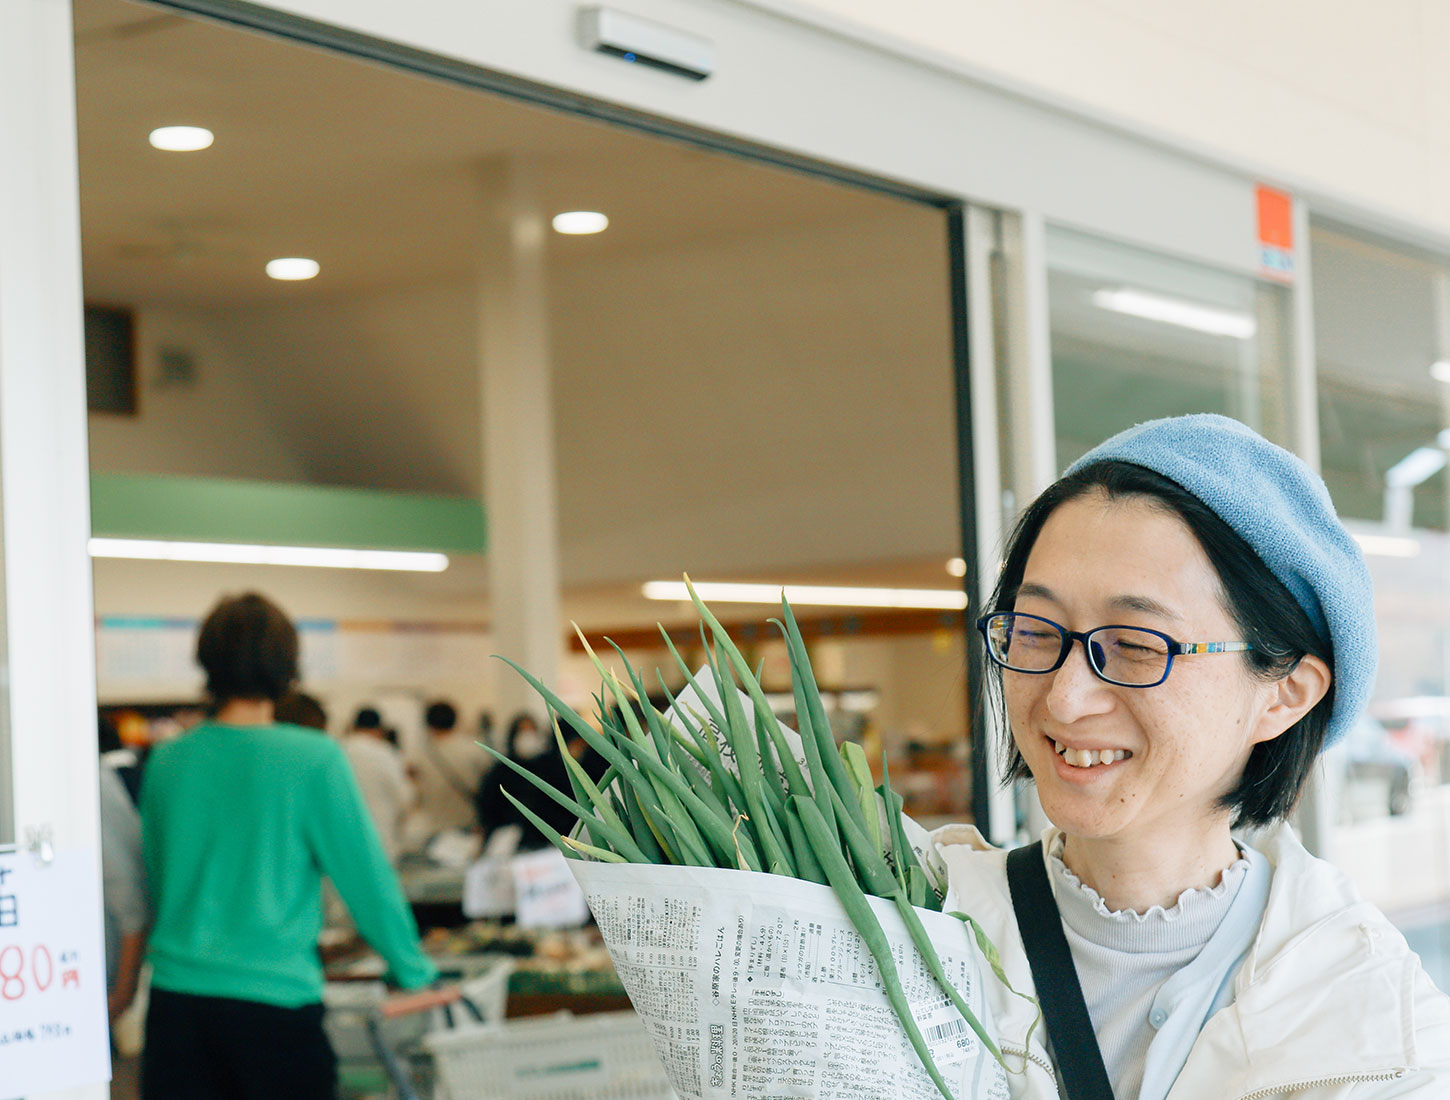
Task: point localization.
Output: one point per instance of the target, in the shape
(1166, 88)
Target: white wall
(217, 426)
(377, 390)
(779, 399)
(1353, 98)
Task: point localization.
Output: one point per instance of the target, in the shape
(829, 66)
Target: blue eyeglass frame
(1175, 648)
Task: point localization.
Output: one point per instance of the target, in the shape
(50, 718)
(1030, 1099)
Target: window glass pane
(1137, 336)
(1381, 415)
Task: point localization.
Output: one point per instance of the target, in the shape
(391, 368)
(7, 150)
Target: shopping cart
(367, 1027)
(603, 1056)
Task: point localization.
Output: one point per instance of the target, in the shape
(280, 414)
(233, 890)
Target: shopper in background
(242, 818)
(382, 777)
(447, 769)
(532, 746)
(126, 763)
(1180, 625)
(125, 904)
(297, 708)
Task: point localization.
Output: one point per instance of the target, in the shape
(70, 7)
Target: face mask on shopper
(530, 743)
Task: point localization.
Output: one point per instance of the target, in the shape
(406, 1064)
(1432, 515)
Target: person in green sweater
(241, 819)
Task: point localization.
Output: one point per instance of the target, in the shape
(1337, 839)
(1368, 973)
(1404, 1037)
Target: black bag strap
(1071, 1029)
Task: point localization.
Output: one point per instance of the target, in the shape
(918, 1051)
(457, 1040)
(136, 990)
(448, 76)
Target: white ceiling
(752, 366)
(373, 172)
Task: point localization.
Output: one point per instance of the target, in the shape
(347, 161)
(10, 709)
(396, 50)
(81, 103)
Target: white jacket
(1330, 1003)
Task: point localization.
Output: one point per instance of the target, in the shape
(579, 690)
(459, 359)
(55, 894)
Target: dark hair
(248, 648)
(1266, 614)
(367, 718)
(441, 716)
(108, 737)
(301, 709)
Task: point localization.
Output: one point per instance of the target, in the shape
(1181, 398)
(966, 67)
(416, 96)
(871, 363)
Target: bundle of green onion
(669, 796)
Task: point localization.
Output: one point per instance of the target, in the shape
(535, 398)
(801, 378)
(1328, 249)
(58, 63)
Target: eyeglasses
(1129, 656)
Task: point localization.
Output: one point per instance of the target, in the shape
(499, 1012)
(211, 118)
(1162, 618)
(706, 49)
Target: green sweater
(239, 824)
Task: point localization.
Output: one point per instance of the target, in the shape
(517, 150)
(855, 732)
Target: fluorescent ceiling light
(293, 268)
(803, 595)
(577, 223)
(1440, 370)
(181, 139)
(232, 553)
(1419, 465)
(1388, 546)
(1175, 311)
(957, 567)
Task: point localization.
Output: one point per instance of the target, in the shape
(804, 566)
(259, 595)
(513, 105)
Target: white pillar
(47, 670)
(1315, 814)
(519, 488)
(1031, 420)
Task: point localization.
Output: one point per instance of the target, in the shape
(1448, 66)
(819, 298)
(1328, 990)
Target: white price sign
(545, 892)
(53, 1029)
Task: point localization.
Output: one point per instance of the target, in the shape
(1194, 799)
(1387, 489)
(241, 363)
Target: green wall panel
(216, 510)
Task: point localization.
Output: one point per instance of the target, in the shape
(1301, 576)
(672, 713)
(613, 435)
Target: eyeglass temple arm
(1182, 648)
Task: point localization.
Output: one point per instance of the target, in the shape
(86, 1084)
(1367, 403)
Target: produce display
(716, 781)
(556, 961)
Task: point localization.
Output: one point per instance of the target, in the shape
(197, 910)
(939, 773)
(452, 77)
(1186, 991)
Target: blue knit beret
(1280, 507)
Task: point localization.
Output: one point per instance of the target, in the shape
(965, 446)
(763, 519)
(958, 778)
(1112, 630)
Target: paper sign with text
(53, 1030)
(545, 892)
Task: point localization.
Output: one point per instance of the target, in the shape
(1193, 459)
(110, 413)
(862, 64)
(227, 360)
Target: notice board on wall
(53, 1028)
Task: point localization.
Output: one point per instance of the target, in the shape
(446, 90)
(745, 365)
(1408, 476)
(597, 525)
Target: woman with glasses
(1180, 627)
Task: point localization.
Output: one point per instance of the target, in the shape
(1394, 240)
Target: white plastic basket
(485, 985)
(605, 1056)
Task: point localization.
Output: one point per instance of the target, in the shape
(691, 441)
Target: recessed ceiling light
(293, 268)
(1440, 370)
(181, 139)
(580, 222)
(957, 567)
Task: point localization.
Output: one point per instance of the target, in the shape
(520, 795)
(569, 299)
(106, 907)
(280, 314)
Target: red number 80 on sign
(13, 971)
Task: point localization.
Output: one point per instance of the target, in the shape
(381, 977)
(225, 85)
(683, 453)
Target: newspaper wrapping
(758, 987)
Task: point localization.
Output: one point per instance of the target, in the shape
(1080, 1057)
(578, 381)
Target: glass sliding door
(1136, 336)
(1383, 358)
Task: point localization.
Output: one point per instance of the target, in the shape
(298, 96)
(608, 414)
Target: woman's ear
(1293, 697)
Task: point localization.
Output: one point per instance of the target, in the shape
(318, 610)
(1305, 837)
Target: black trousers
(217, 1048)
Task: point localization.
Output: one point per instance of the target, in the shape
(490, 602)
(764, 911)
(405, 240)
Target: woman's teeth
(1086, 758)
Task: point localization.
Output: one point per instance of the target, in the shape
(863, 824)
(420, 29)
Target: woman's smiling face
(1098, 562)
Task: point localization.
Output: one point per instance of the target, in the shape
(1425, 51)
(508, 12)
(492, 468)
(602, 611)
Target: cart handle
(410, 1004)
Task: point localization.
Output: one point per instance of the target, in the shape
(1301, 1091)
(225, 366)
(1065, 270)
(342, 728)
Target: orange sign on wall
(1276, 234)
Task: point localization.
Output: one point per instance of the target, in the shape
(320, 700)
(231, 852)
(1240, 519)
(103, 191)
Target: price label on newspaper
(757, 986)
(53, 1031)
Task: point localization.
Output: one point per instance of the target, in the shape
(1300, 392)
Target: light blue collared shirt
(1151, 981)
